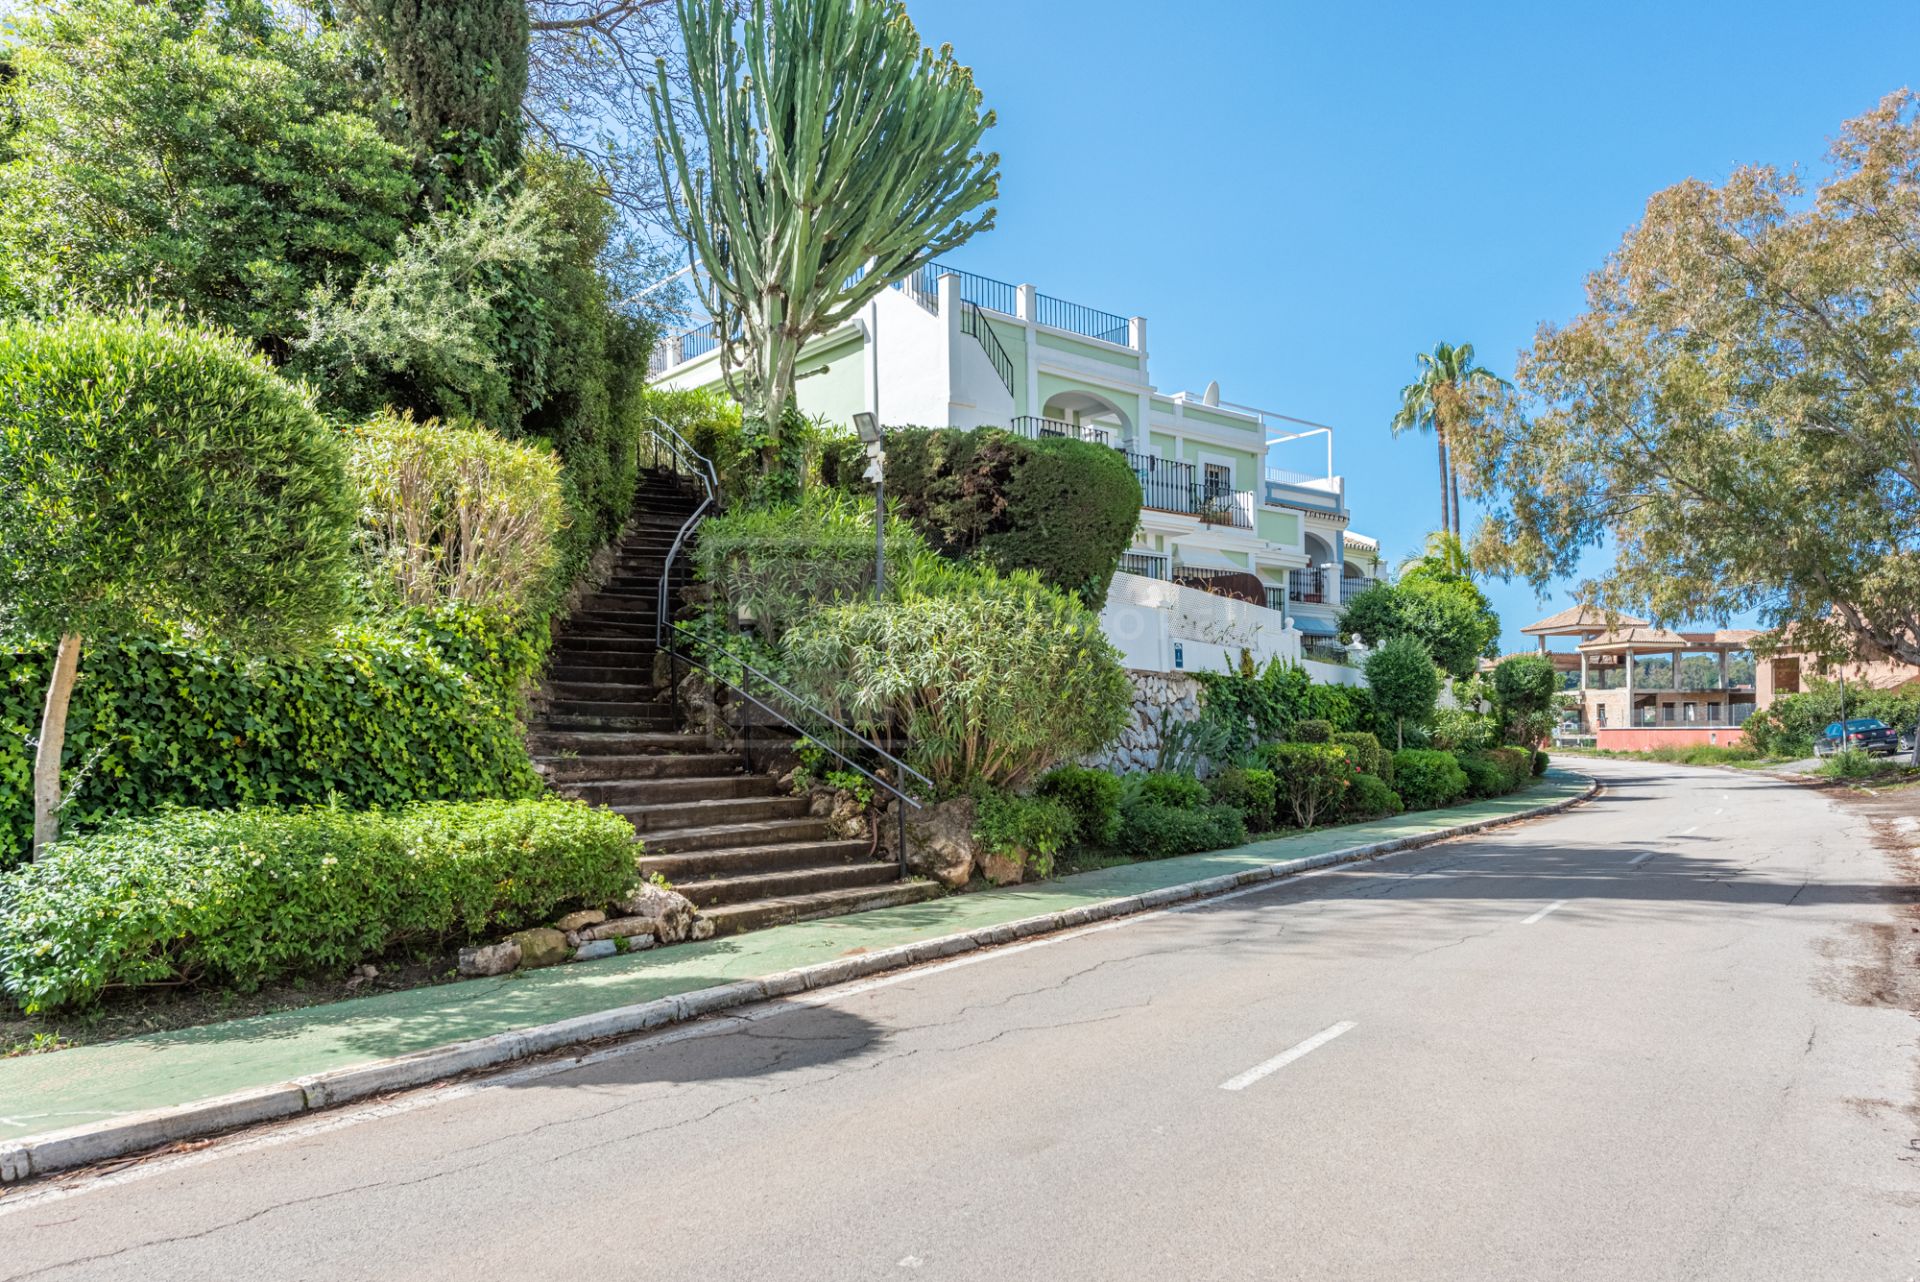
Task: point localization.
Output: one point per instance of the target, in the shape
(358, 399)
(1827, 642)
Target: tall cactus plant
(840, 156)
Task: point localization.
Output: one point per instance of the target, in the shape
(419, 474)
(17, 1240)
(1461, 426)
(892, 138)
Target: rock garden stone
(940, 842)
(541, 946)
(665, 914)
(581, 920)
(489, 959)
(1003, 870)
(595, 948)
(618, 928)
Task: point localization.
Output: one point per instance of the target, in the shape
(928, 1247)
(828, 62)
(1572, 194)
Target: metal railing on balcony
(1216, 506)
(1277, 599)
(1078, 318)
(973, 322)
(1148, 565)
(982, 291)
(1313, 587)
(1033, 427)
(1166, 485)
(678, 349)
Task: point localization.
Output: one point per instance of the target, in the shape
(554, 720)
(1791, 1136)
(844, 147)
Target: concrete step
(624, 767)
(753, 914)
(570, 670)
(729, 784)
(741, 860)
(603, 709)
(572, 642)
(627, 688)
(680, 817)
(786, 885)
(600, 743)
(561, 723)
(723, 836)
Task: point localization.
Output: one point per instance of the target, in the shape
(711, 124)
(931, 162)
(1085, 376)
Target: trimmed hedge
(1030, 829)
(1427, 778)
(1312, 730)
(241, 897)
(1064, 509)
(1370, 797)
(420, 708)
(1092, 795)
(1313, 779)
(1364, 750)
(1254, 793)
(1495, 772)
(1169, 814)
(1540, 763)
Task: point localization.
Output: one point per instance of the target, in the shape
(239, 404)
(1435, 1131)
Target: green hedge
(1369, 798)
(1169, 814)
(1030, 829)
(1254, 793)
(240, 897)
(1092, 795)
(422, 707)
(1313, 779)
(1064, 509)
(1427, 778)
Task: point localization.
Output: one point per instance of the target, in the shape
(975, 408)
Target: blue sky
(1300, 197)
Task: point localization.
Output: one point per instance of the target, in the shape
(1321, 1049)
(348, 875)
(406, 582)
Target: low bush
(1178, 791)
(240, 897)
(1312, 779)
(1484, 776)
(1540, 762)
(1370, 797)
(1427, 778)
(1364, 750)
(1460, 730)
(1093, 796)
(1312, 730)
(1343, 707)
(1787, 728)
(1254, 793)
(419, 707)
(1170, 814)
(991, 678)
(1032, 830)
(1515, 763)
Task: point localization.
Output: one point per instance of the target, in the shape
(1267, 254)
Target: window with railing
(1277, 599)
(1148, 565)
(1308, 587)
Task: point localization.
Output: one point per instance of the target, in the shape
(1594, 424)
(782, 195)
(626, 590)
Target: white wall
(1146, 618)
(911, 343)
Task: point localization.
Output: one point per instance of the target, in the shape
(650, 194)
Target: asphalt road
(1657, 1037)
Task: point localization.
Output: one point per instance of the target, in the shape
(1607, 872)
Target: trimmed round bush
(240, 897)
(1540, 763)
(1364, 750)
(1155, 830)
(1092, 795)
(1427, 778)
(1030, 829)
(1484, 776)
(1312, 730)
(1254, 793)
(1312, 778)
(1371, 797)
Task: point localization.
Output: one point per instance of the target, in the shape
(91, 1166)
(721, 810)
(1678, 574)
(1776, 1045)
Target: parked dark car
(1906, 739)
(1862, 734)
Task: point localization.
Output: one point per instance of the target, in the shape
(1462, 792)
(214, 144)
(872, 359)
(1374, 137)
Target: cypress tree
(459, 68)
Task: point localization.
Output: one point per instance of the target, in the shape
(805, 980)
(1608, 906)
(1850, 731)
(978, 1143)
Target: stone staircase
(744, 852)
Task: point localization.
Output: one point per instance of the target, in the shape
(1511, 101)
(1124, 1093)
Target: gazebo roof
(1580, 619)
(1638, 639)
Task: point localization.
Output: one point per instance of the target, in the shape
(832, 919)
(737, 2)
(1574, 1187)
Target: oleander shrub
(1093, 797)
(1168, 814)
(1312, 779)
(1253, 792)
(237, 898)
(451, 512)
(422, 706)
(1312, 730)
(991, 678)
(1371, 797)
(1364, 750)
(1030, 829)
(1063, 509)
(1540, 763)
(1427, 778)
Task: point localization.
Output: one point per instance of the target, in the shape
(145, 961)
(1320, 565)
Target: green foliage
(709, 421)
(453, 513)
(1163, 815)
(1460, 729)
(1449, 398)
(1427, 778)
(1345, 708)
(1312, 730)
(992, 678)
(1188, 746)
(1312, 778)
(202, 156)
(1367, 755)
(1242, 709)
(775, 564)
(838, 157)
(1030, 829)
(1787, 728)
(1252, 792)
(1371, 797)
(237, 898)
(459, 70)
(1494, 772)
(1446, 612)
(1404, 682)
(1064, 509)
(1524, 688)
(1540, 762)
(158, 475)
(417, 707)
(1093, 797)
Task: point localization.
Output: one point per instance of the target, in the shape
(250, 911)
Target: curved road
(1661, 1036)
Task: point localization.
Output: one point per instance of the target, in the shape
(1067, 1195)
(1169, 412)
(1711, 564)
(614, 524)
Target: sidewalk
(90, 1085)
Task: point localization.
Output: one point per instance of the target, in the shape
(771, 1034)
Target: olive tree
(841, 156)
(155, 478)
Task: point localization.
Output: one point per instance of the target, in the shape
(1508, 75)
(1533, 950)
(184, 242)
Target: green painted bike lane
(60, 1089)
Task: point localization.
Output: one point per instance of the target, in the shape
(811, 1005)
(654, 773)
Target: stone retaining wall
(1154, 693)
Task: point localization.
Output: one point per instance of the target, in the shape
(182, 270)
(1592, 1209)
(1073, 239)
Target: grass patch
(1696, 755)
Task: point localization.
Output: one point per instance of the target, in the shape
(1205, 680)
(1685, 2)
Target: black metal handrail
(1148, 565)
(974, 323)
(1078, 318)
(1033, 426)
(666, 631)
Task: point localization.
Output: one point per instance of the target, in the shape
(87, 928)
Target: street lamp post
(868, 425)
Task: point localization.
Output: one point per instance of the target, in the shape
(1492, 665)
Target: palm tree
(1438, 402)
(1443, 554)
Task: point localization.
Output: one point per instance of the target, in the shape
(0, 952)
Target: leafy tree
(202, 156)
(157, 477)
(1734, 411)
(1405, 683)
(842, 157)
(1447, 399)
(1446, 612)
(1523, 693)
(459, 68)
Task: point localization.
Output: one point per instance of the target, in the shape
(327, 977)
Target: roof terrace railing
(1077, 318)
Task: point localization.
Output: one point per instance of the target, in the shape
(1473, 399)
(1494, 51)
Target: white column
(1024, 307)
(1583, 663)
(1137, 335)
(948, 290)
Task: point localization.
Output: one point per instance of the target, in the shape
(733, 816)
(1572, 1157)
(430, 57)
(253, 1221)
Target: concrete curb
(135, 1132)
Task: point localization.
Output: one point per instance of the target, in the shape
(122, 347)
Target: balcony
(678, 349)
(1148, 565)
(1033, 427)
(1169, 485)
(1313, 587)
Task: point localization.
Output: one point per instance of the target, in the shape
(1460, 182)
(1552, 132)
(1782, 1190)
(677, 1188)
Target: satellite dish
(1212, 395)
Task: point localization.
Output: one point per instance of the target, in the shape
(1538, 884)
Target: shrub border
(118, 1137)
